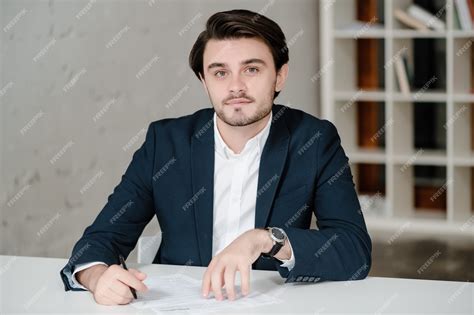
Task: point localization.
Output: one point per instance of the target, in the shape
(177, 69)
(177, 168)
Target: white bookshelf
(339, 94)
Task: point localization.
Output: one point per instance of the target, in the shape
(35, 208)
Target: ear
(203, 81)
(281, 77)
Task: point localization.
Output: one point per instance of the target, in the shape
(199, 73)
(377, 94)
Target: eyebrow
(245, 62)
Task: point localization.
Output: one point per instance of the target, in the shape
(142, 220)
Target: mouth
(238, 101)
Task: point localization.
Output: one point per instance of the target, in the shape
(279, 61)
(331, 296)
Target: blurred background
(81, 80)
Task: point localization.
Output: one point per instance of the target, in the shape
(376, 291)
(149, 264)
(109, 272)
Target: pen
(124, 266)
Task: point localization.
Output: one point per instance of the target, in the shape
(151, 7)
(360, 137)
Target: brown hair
(236, 24)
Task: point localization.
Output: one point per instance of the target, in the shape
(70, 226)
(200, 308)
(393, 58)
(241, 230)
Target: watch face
(278, 234)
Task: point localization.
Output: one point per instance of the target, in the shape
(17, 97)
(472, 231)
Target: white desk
(33, 285)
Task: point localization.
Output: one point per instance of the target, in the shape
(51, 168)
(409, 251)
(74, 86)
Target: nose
(236, 84)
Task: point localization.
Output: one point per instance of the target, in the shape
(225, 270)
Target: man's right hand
(111, 285)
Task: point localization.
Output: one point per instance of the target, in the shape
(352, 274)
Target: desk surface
(32, 285)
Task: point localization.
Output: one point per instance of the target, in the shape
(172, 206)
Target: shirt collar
(258, 141)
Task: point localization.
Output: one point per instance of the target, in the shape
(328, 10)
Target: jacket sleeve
(341, 247)
(120, 223)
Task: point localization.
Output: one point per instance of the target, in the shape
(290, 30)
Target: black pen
(122, 262)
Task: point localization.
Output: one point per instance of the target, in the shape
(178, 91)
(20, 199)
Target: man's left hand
(238, 256)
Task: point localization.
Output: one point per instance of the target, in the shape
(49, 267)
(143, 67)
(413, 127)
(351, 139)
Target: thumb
(138, 274)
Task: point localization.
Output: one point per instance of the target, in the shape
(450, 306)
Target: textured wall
(79, 83)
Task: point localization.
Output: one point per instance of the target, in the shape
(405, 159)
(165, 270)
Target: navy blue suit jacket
(303, 170)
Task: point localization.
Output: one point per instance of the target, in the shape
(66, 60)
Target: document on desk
(180, 293)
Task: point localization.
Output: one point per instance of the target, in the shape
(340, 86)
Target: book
(472, 129)
(367, 76)
(428, 19)
(409, 21)
(424, 198)
(463, 14)
(472, 109)
(370, 177)
(470, 5)
(409, 70)
(472, 187)
(402, 76)
(456, 20)
(425, 67)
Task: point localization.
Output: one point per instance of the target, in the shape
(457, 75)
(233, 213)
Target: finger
(103, 300)
(245, 279)
(206, 282)
(229, 277)
(129, 279)
(216, 282)
(122, 289)
(138, 274)
(116, 298)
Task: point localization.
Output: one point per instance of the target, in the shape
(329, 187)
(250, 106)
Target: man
(217, 178)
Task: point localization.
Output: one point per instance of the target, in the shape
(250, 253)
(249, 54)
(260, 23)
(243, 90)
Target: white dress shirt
(235, 193)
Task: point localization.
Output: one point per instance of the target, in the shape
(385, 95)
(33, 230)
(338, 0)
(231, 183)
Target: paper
(180, 294)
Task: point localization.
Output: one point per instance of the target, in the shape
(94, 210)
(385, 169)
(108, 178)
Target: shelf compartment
(430, 83)
(462, 125)
(462, 65)
(438, 8)
(462, 195)
(346, 71)
(419, 191)
(369, 181)
(345, 16)
(355, 139)
(410, 135)
(369, 178)
(430, 189)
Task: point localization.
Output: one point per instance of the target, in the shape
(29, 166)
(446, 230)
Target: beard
(237, 117)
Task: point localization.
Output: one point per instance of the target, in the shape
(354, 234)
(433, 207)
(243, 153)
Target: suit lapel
(202, 172)
(272, 163)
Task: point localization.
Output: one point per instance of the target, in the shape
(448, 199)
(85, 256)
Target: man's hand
(238, 256)
(110, 285)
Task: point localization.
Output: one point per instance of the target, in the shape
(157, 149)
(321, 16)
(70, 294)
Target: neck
(237, 136)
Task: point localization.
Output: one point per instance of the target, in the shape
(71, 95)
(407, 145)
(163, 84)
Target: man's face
(240, 79)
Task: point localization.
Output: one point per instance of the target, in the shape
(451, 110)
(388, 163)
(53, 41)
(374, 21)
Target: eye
(219, 74)
(252, 70)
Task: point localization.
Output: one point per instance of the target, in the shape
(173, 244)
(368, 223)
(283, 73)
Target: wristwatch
(278, 237)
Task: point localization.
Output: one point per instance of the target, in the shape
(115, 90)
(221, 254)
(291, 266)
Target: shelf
(416, 34)
(462, 34)
(367, 156)
(425, 157)
(406, 176)
(430, 215)
(414, 96)
(360, 95)
(417, 225)
(467, 98)
(355, 34)
(464, 160)
(420, 96)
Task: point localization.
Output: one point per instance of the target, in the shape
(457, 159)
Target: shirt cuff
(290, 263)
(74, 282)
